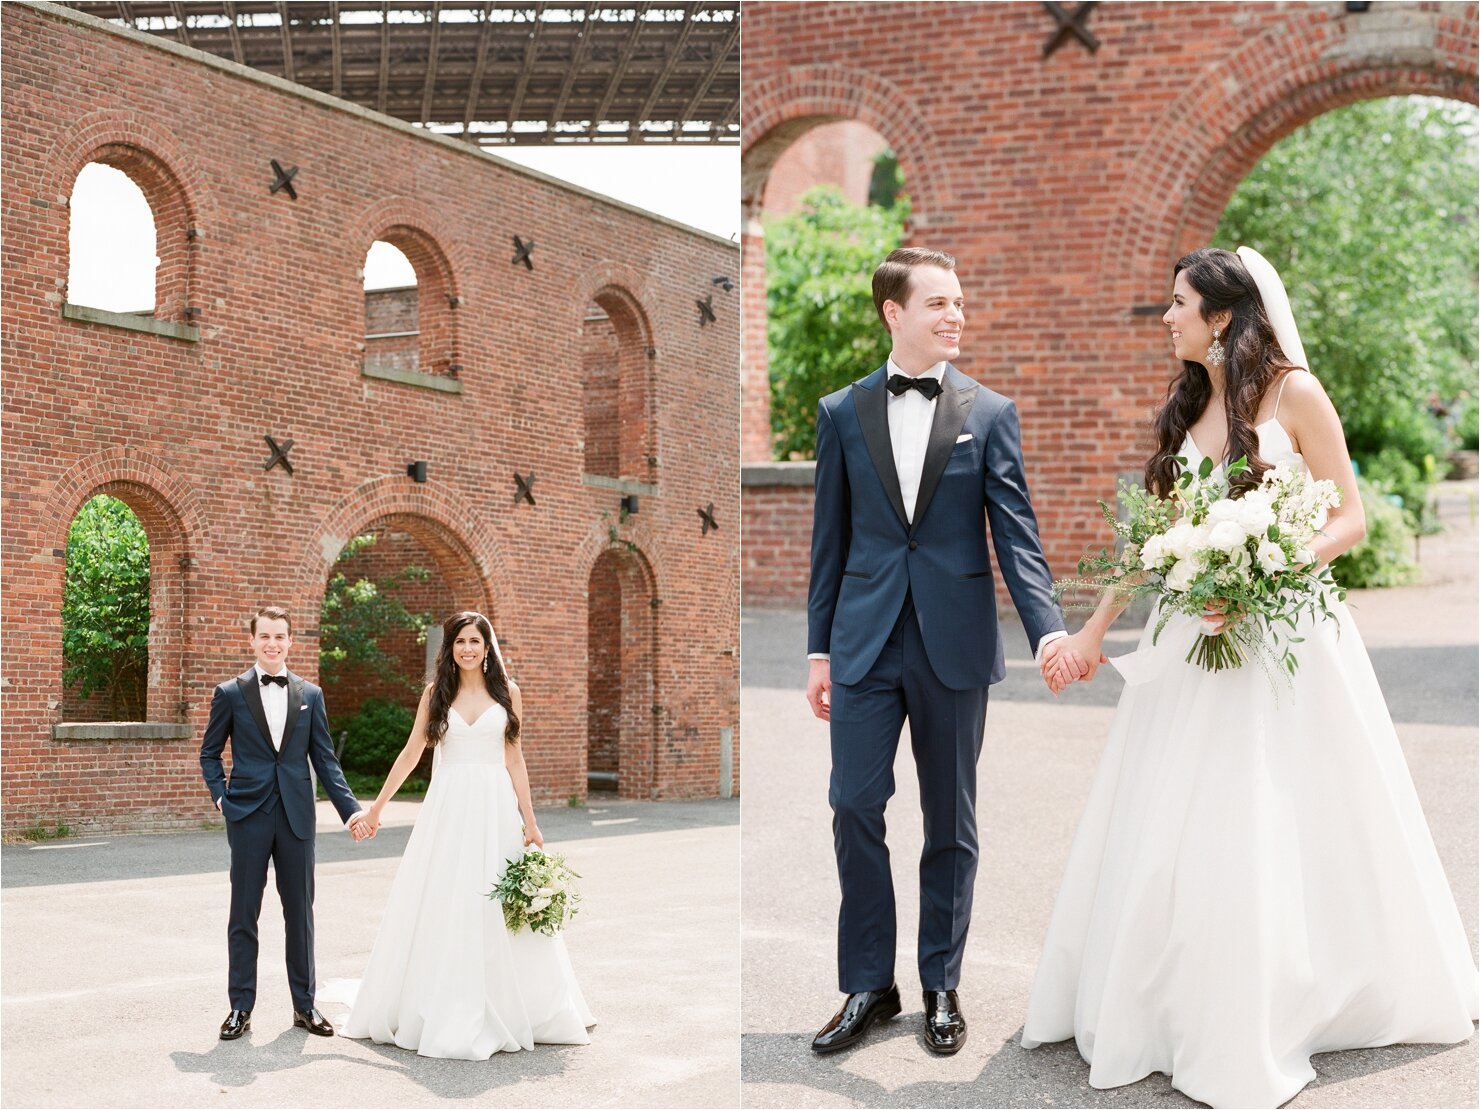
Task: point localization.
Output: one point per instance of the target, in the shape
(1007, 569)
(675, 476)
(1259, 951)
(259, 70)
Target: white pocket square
(302, 707)
(963, 438)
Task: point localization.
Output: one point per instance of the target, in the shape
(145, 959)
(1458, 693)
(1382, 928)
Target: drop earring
(485, 664)
(1216, 355)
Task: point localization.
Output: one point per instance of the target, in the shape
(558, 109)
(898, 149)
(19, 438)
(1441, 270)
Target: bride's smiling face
(1191, 334)
(469, 650)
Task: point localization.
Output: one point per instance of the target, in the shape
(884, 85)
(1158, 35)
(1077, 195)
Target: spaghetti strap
(1280, 395)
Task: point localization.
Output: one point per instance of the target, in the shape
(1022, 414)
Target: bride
(445, 977)
(1252, 880)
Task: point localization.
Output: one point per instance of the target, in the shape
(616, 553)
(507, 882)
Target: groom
(902, 625)
(277, 726)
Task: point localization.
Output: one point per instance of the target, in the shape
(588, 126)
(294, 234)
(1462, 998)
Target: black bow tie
(279, 679)
(902, 383)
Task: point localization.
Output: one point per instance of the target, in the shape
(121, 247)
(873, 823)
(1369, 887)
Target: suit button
(914, 544)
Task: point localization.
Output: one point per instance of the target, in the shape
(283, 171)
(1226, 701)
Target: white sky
(112, 232)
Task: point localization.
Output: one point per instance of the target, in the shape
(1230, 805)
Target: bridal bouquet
(1198, 544)
(537, 893)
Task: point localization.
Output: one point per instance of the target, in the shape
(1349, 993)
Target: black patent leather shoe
(859, 1012)
(945, 1025)
(237, 1022)
(314, 1022)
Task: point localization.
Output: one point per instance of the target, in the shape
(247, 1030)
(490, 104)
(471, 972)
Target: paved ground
(1036, 768)
(114, 973)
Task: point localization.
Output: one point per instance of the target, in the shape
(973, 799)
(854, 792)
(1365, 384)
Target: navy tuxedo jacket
(865, 554)
(256, 768)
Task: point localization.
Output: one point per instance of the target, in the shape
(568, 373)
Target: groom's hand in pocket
(819, 688)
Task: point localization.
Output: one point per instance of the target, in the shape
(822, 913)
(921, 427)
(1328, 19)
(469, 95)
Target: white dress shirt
(275, 705)
(911, 414)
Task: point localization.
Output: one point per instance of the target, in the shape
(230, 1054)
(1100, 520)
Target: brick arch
(622, 622)
(466, 549)
(417, 232)
(173, 186)
(172, 520)
(1203, 146)
(779, 109)
(619, 374)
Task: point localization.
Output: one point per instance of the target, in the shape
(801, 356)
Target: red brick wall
(778, 535)
(1068, 185)
(390, 318)
(176, 428)
(601, 371)
(604, 667)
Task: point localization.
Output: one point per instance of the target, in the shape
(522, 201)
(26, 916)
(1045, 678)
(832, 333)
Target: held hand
(1220, 616)
(1061, 664)
(360, 828)
(533, 836)
(819, 688)
(1083, 655)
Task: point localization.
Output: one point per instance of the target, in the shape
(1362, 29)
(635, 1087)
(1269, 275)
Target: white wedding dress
(446, 978)
(1252, 880)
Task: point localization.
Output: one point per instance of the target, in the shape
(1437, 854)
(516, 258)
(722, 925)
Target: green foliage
(1385, 555)
(41, 832)
(1391, 472)
(1369, 213)
(105, 607)
(1467, 423)
(356, 614)
(821, 330)
(886, 182)
(377, 733)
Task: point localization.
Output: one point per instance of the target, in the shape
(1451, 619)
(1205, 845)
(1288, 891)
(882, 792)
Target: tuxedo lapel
(251, 689)
(870, 401)
(295, 699)
(957, 393)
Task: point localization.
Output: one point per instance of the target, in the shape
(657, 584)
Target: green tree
(1369, 213)
(821, 328)
(357, 613)
(105, 607)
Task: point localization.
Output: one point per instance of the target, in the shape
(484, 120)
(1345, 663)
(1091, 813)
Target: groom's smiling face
(270, 643)
(927, 328)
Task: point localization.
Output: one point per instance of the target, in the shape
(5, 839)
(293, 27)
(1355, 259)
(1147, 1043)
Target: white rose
(1305, 556)
(1154, 552)
(1226, 536)
(538, 904)
(1271, 557)
(1181, 576)
(1256, 512)
(1181, 540)
(1225, 509)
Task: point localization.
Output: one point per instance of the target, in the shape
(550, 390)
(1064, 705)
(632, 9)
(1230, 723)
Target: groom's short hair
(271, 613)
(892, 278)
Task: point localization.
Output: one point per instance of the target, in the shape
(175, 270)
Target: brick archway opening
(173, 223)
(618, 396)
(621, 685)
(169, 568)
(798, 153)
(429, 572)
(413, 327)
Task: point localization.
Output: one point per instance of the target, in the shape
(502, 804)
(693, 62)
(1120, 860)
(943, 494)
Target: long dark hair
(1254, 360)
(448, 677)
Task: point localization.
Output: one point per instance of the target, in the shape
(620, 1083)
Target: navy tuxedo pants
(946, 729)
(263, 835)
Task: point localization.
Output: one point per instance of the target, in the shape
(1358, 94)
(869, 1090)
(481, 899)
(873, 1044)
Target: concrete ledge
(779, 474)
(123, 730)
(131, 322)
(412, 377)
(621, 485)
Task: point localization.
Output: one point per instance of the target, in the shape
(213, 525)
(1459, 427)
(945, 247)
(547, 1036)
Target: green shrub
(377, 733)
(1467, 424)
(1385, 555)
(1391, 471)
